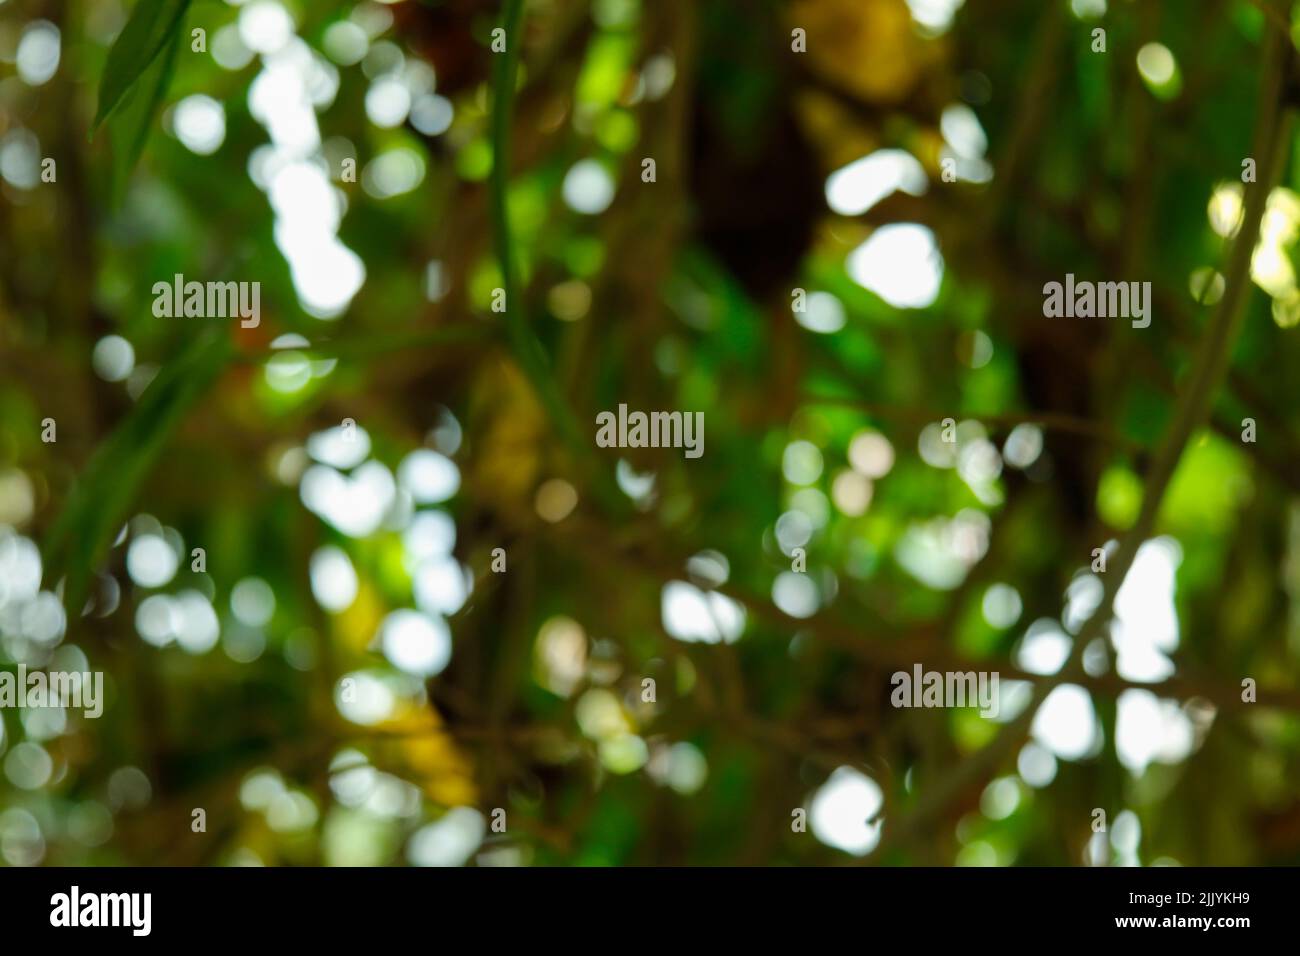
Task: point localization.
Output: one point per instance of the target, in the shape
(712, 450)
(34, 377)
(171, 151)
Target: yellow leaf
(866, 47)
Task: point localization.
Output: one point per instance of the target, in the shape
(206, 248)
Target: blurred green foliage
(422, 622)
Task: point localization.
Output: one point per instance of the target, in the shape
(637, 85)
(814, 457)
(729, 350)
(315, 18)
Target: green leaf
(101, 498)
(153, 27)
(130, 123)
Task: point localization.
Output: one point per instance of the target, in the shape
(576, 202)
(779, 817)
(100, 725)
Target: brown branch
(1055, 421)
(1272, 140)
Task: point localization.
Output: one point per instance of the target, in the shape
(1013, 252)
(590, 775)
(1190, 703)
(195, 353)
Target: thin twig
(524, 344)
